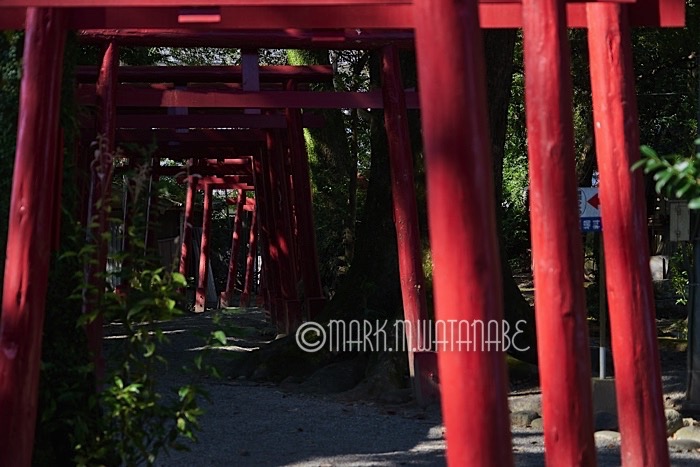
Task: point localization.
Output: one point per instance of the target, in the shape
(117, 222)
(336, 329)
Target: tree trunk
(334, 173)
(499, 46)
(371, 288)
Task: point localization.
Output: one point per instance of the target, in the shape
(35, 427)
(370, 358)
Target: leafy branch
(675, 176)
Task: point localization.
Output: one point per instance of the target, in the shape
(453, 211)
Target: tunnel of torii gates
(263, 150)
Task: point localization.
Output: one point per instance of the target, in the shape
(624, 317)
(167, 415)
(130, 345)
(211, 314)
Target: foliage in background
(130, 421)
(515, 220)
(674, 176)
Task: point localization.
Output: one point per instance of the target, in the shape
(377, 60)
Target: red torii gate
(467, 284)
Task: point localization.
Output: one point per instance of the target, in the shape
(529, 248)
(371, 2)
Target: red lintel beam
(233, 186)
(664, 13)
(191, 150)
(195, 3)
(137, 96)
(219, 121)
(210, 74)
(274, 38)
(224, 180)
(175, 171)
(208, 136)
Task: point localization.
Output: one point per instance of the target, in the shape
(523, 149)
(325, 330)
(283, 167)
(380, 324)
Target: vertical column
(28, 248)
(304, 210)
(235, 248)
(269, 271)
(632, 314)
(562, 333)
(281, 236)
(201, 295)
(251, 259)
(100, 199)
(415, 309)
(461, 212)
(188, 224)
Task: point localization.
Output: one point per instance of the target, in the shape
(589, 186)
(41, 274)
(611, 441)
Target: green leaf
(179, 279)
(219, 336)
(694, 203)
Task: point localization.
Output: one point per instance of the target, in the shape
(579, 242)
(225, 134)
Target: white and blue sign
(589, 210)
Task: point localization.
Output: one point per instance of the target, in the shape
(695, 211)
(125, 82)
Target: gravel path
(248, 424)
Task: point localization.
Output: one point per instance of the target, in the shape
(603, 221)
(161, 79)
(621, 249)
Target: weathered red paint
(281, 236)
(280, 16)
(131, 95)
(250, 260)
(306, 236)
(562, 332)
(209, 136)
(415, 308)
(233, 173)
(100, 201)
(28, 249)
(632, 315)
(269, 282)
(211, 120)
(188, 224)
(330, 19)
(266, 39)
(235, 248)
(461, 210)
(210, 74)
(201, 293)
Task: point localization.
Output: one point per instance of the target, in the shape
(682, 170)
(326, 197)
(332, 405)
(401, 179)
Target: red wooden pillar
(250, 260)
(281, 236)
(562, 333)
(201, 295)
(630, 295)
(461, 210)
(227, 295)
(100, 199)
(306, 234)
(269, 275)
(188, 224)
(28, 246)
(415, 309)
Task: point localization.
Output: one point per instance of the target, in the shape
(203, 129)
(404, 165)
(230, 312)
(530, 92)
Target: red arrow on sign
(594, 201)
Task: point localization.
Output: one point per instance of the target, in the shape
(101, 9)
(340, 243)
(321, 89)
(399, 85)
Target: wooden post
(630, 295)
(462, 216)
(28, 246)
(188, 224)
(269, 275)
(415, 309)
(251, 259)
(100, 200)
(304, 210)
(281, 236)
(235, 248)
(201, 295)
(557, 250)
